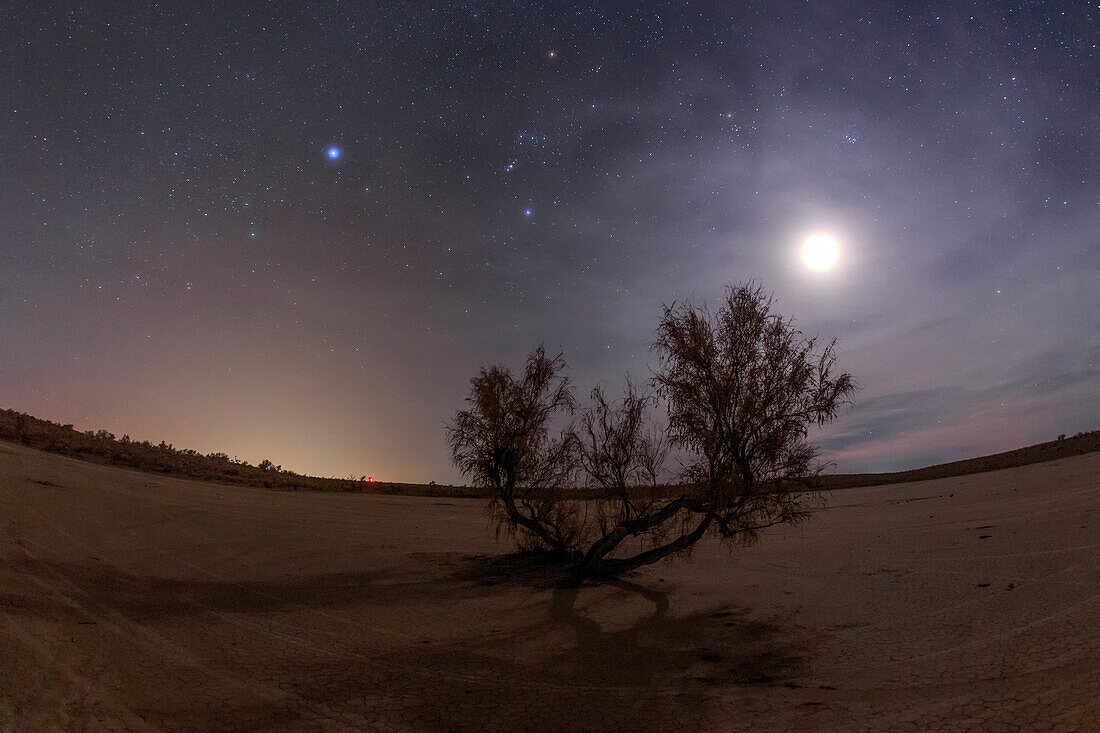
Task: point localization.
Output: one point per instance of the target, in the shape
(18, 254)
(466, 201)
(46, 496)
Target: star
(939, 182)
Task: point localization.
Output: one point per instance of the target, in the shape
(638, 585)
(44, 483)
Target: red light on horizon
(370, 479)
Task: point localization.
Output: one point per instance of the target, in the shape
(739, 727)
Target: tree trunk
(607, 544)
(616, 566)
(531, 524)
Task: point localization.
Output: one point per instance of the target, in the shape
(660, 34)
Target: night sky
(295, 233)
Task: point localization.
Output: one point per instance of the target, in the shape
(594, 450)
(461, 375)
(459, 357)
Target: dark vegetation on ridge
(1063, 447)
(102, 447)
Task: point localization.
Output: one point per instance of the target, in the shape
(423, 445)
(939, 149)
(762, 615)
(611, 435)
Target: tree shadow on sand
(143, 597)
(716, 647)
(519, 644)
(604, 648)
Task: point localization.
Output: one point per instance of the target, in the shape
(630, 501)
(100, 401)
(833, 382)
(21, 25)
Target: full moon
(820, 251)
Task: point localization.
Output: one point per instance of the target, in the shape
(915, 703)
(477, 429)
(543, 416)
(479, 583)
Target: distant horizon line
(1062, 446)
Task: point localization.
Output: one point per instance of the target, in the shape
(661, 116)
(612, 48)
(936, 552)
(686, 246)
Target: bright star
(333, 152)
(527, 212)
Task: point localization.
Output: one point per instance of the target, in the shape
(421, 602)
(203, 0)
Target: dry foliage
(740, 387)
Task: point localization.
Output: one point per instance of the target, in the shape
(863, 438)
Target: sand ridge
(140, 602)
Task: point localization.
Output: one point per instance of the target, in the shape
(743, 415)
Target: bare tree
(741, 386)
(503, 442)
(622, 459)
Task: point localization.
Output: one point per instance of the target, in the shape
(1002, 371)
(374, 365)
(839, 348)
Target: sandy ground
(137, 602)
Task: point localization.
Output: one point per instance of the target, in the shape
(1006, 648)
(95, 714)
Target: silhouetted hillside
(101, 446)
(1049, 451)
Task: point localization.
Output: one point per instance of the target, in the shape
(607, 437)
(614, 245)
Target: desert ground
(140, 602)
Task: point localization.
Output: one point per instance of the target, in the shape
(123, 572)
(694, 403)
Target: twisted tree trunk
(614, 566)
(607, 544)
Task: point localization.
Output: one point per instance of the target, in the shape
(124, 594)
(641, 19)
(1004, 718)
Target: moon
(820, 251)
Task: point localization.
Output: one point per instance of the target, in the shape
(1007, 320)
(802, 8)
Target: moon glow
(820, 251)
